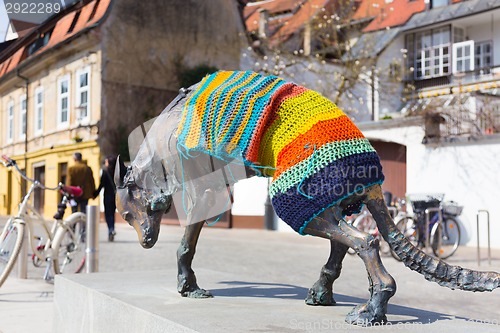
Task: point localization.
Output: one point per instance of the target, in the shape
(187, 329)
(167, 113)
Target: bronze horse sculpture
(322, 169)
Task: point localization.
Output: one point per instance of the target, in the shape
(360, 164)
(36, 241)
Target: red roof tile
(16, 57)
(60, 30)
(305, 13)
(281, 27)
(368, 8)
(102, 7)
(251, 11)
(394, 14)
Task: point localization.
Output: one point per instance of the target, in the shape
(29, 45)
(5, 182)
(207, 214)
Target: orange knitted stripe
(323, 132)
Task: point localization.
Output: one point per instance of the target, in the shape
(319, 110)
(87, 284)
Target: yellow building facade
(86, 77)
(50, 108)
(51, 142)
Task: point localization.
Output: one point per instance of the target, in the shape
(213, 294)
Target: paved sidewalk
(266, 260)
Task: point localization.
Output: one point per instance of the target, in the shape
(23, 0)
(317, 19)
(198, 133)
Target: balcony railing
(477, 76)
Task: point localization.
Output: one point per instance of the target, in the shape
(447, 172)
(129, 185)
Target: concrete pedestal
(149, 302)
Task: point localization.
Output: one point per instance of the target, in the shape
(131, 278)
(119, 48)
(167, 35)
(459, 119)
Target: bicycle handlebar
(8, 162)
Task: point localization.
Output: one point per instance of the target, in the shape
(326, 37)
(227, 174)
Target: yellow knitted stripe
(228, 98)
(234, 141)
(296, 116)
(194, 134)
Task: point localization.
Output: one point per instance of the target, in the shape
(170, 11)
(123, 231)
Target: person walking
(80, 174)
(108, 184)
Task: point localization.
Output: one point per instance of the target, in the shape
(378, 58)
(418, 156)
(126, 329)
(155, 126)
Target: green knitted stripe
(323, 156)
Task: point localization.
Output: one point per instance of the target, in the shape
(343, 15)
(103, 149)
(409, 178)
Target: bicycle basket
(452, 208)
(420, 202)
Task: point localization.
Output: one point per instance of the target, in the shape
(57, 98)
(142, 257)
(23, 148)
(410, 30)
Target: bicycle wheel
(408, 227)
(11, 241)
(69, 245)
(445, 238)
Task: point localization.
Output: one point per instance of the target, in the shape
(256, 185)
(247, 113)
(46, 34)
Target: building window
(429, 53)
(42, 40)
(483, 56)
(458, 35)
(22, 116)
(10, 121)
(463, 56)
(83, 95)
(38, 111)
(63, 101)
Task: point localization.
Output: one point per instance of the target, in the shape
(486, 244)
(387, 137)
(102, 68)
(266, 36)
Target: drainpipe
(372, 86)
(27, 82)
(22, 272)
(263, 23)
(307, 39)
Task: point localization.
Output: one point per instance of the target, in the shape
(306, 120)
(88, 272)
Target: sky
(4, 21)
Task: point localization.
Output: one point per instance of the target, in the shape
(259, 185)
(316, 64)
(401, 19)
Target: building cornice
(391, 123)
(43, 61)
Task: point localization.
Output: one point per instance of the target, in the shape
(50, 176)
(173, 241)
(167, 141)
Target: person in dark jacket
(80, 174)
(108, 184)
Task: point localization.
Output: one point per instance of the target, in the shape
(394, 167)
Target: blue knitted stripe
(231, 112)
(249, 94)
(191, 106)
(259, 107)
(327, 187)
(224, 90)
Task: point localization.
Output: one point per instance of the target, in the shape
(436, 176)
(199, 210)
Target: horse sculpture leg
(321, 292)
(331, 225)
(186, 279)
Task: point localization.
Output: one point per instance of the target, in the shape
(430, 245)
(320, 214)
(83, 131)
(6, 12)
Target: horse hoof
(197, 293)
(364, 315)
(320, 297)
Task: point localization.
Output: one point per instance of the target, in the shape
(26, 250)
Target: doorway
(393, 160)
(39, 195)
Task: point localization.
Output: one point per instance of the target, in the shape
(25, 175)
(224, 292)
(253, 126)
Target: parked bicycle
(62, 247)
(443, 230)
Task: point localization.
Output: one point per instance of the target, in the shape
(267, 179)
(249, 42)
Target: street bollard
(269, 218)
(92, 251)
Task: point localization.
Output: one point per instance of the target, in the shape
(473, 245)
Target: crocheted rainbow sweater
(314, 153)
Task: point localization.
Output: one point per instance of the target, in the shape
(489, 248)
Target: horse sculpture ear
(120, 171)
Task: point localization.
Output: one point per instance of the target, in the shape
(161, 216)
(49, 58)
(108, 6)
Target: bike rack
(428, 212)
(489, 247)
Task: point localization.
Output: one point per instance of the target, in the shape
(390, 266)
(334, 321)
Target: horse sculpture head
(142, 208)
